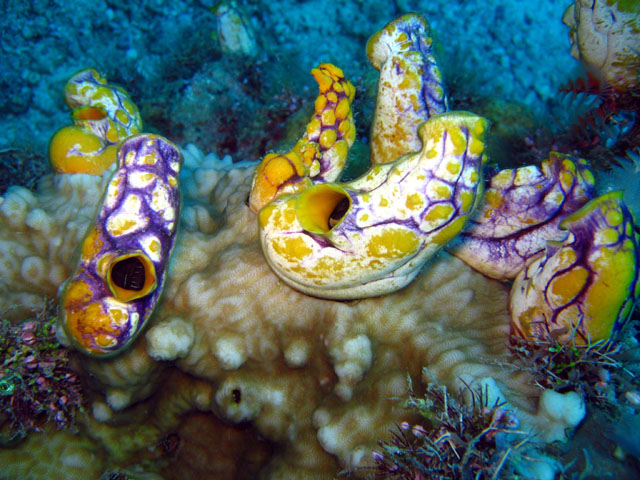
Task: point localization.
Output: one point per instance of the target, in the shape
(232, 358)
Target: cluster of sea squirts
(572, 257)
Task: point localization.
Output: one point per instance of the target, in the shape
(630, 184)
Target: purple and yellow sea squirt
(103, 116)
(410, 88)
(583, 288)
(521, 211)
(321, 153)
(605, 36)
(372, 235)
(125, 254)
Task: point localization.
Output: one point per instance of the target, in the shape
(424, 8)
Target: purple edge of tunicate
(144, 305)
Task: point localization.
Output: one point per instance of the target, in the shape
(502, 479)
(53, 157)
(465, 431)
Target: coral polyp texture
(372, 235)
(103, 116)
(605, 35)
(125, 253)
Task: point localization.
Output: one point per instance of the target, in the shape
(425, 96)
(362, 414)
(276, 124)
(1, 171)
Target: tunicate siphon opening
(131, 276)
(89, 113)
(321, 207)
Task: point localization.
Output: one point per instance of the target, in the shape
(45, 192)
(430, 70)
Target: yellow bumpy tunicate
(372, 235)
(103, 115)
(410, 88)
(321, 154)
(584, 288)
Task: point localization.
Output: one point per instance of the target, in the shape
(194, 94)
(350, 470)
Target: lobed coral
(312, 376)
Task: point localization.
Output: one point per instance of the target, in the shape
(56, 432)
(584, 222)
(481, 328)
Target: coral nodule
(125, 253)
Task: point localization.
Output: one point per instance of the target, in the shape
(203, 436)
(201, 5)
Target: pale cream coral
(170, 339)
(53, 454)
(38, 236)
(317, 378)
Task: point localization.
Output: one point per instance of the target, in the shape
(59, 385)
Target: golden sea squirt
(321, 154)
(410, 87)
(521, 211)
(125, 254)
(372, 235)
(582, 289)
(103, 115)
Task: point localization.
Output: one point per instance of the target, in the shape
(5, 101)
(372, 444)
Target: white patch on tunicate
(230, 351)
(296, 354)
(152, 247)
(129, 158)
(134, 319)
(160, 202)
(128, 218)
(117, 309)
(114, 190)
(170, 339)
(141, 179)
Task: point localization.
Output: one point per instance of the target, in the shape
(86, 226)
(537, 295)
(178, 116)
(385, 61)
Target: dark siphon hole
(237, 395)
(129, 274)
(338, 212)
